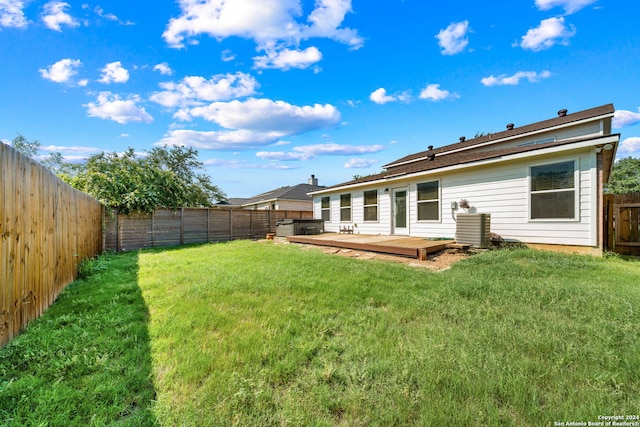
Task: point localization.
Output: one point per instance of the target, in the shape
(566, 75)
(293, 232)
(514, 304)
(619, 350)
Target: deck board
(416, 247)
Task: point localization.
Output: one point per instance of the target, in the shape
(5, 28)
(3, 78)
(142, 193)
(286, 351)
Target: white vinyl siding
(501, 190)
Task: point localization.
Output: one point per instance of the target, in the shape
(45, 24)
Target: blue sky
(272, 91)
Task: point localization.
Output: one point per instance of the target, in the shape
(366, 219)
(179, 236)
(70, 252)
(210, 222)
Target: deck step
(405, 246)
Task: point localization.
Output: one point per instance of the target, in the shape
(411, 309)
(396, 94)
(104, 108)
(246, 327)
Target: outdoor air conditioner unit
(473, 229)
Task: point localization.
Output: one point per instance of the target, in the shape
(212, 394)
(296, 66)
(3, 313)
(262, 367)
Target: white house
(540, 183)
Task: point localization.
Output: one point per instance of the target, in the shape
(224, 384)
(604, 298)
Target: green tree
(26, 147)
(625, 177)
(56, 162)
(164, 177)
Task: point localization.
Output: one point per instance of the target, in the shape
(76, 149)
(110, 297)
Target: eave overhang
(596, 143)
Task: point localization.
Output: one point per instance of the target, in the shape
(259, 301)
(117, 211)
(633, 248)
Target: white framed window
(345, 207)
(553, 191)
(429, 201)
(325, 208)
(371, 205)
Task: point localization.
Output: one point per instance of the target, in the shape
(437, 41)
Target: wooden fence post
(208, 220)
(251, 215)
(119, 229)
(182, 226)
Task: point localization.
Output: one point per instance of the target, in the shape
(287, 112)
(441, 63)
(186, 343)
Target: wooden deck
(417, 247)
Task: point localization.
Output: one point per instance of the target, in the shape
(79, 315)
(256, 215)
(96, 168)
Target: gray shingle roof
(292, 192)
(533, 127)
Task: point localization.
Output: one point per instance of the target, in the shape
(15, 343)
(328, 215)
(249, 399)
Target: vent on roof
(463, 138)
(430, 155)
(510, 126)
(562, 112)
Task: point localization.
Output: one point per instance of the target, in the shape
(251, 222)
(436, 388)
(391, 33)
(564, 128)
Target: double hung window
(345, 207)
(371, 205)
(429, 201)
(553, 191)
(325, 208)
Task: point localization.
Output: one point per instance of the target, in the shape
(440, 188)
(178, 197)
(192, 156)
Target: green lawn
(255, 334)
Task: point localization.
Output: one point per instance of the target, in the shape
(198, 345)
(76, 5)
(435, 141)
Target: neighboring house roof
(465, 152)
(293, 192)
(234, 201)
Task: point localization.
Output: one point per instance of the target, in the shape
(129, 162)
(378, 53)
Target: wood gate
(622, 223)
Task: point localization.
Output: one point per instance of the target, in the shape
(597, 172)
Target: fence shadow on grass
(87, 360)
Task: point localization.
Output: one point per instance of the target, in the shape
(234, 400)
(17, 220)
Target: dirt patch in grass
(437, 261)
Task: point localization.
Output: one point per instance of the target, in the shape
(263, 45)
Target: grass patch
(86, 361)
(254, 334)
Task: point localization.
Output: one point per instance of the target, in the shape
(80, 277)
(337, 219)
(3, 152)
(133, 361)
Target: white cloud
(379, 96)
(70, 149)
(550, 32)
(247, 124)
(12, 14)
(112, 107)
(192, 90)
(54, 15)
(108, 16)
(306, 152)
(623, 118)
(274, 25)
(286, 59)
(62, 71)
(434, 93)
(503, 79)
(227, 55)
(163, 68)
(218, 140)
(265, 115)
(241, 164)
(326, 20)
(114, 72)
(281, 156)
(569, 6)
(360, 163)
(453, 39)
(630, 146)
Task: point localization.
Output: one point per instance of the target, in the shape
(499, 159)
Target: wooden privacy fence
(46, 228)
(622, 223)
(167, 227)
